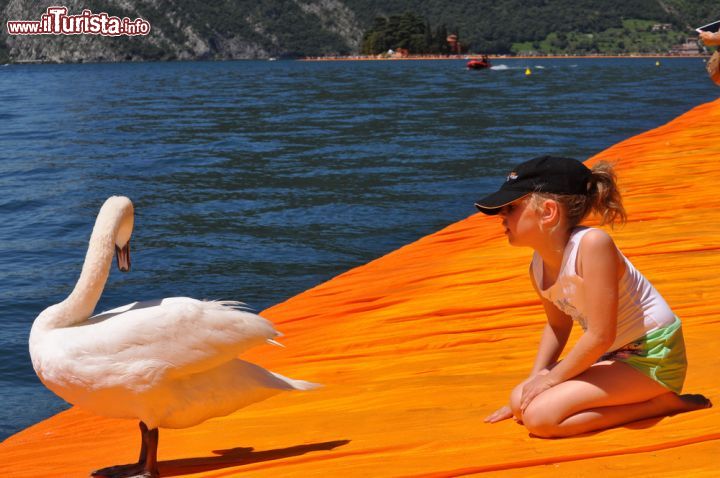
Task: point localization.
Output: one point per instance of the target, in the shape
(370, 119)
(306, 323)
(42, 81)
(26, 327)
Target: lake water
(255, 181)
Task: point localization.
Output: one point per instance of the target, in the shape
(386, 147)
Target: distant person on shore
(630, 363)
(713, 64)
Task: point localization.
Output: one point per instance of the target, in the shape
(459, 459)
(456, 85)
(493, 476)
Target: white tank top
(641, 308)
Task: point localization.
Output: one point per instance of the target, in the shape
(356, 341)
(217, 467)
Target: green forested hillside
(495, 26)
(692, 13)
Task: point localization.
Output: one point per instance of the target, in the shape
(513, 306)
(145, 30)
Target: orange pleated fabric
(415, 348)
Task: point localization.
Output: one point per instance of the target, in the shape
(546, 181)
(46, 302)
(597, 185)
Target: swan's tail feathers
(293, 384)
(233, 304)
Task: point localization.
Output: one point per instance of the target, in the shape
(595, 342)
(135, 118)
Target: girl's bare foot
(672, 403)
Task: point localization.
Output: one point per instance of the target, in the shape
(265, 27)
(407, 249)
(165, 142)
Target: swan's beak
(123, 257)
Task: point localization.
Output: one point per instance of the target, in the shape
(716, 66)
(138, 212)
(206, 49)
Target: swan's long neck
(96, 269)
(81, 303)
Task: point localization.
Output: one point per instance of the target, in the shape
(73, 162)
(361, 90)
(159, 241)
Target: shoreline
(496, 57)
(374, 58)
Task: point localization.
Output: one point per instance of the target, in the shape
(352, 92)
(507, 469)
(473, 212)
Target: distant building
(454, 44)
(398, 53)
(661, 27)
(690, 47)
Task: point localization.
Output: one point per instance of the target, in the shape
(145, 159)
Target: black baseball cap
(546, 174)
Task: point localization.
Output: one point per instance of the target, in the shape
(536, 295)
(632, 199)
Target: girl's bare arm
(555, 335)
(599, 264)
(553, 340)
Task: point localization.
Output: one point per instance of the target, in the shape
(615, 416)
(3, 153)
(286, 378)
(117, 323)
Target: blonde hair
(603, 198)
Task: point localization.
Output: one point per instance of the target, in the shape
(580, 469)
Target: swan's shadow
(240, 457)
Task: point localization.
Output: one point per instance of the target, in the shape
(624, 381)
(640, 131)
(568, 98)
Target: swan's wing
(216, 392)
(146, 342)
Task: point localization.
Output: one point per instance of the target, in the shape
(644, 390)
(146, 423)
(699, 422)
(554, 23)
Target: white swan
(169, 363)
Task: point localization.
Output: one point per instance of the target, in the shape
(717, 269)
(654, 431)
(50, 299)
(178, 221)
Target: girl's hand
(499, 415)
(533, 388)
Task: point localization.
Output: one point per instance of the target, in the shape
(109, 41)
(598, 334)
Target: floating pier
(417, 347)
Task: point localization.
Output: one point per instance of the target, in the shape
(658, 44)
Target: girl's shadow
(239, 457)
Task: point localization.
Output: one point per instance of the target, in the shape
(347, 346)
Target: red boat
(475, 64)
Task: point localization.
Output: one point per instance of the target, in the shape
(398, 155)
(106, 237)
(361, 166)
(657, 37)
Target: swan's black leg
(143, 443)
(151, 464)
(146, 467)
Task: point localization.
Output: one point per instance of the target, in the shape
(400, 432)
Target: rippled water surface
(257, 180)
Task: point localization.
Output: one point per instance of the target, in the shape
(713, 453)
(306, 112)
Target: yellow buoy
(657, 63)
(527, 71)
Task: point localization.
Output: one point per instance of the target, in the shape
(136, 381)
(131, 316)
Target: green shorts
(660, 355)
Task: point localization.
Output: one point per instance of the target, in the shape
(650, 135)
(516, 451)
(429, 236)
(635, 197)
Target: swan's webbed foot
(146, 467)
(135, 470)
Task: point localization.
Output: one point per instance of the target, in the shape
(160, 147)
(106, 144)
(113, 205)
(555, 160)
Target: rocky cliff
(188, 30)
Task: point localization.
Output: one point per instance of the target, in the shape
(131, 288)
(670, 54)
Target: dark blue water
(255, 181)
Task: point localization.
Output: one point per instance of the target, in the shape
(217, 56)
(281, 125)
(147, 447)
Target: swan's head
(122, 214)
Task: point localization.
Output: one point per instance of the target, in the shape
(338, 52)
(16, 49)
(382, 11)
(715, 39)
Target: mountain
(247, 29)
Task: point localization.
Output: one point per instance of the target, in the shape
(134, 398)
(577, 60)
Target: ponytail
(604, 195)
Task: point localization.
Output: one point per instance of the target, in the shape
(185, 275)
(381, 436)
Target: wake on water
(505, 67)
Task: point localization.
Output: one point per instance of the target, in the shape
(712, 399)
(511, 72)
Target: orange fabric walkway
(417, 347)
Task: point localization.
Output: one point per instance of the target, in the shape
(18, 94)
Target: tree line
(492, 26)
(408, 31)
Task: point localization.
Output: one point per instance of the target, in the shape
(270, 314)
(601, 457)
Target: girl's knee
(516, 395)
(540, 420)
